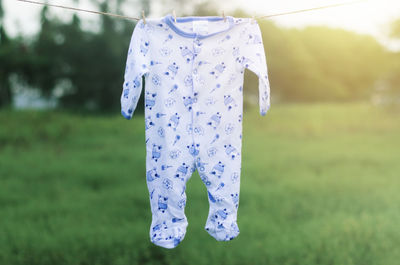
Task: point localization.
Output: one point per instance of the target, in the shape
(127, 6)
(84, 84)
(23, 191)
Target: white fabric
(193, 71)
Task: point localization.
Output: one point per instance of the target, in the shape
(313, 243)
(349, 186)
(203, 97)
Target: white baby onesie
(193, 70)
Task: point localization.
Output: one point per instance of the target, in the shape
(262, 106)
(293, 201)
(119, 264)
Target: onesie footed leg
(221, 224)
(223, 187)
(168, 225)
(168, 234)
(166, 183)
(168, 201)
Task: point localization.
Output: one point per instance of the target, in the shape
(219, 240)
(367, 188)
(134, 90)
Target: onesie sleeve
(253, 58)
(136, 67)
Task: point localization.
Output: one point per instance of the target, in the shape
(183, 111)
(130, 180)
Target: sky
(367, 17)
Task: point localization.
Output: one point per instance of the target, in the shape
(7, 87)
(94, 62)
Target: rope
(135, 18)
(81, 10)
(311, 9)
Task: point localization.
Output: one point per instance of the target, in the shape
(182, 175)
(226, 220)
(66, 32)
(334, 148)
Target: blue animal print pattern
(193, 114)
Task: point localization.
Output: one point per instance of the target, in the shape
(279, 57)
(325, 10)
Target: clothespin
(144, 18)
(253, 19)
(223, 14)
(173, 12)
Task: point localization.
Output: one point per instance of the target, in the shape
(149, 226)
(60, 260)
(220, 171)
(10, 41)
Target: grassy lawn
(320, 185)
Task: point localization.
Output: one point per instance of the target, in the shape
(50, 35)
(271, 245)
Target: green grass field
(320, 184)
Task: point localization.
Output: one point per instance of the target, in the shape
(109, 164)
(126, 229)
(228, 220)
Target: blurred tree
(395, 32)
(85, 68)
(44, 56)
(389, 91)
(5, 87)
(3, 36)
(96, 62)
(2, 72)
(392, 85)
(15, 60)
(322, 64)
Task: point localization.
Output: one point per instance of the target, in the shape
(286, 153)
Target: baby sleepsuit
(193, 69)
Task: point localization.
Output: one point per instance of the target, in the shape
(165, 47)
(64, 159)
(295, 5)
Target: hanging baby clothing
(193, 70)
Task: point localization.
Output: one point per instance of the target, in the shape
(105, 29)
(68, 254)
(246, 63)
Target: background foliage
(306, 65)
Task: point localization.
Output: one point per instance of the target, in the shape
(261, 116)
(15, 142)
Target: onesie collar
(169, 19)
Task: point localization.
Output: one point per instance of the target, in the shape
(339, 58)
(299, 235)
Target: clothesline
(135, 18)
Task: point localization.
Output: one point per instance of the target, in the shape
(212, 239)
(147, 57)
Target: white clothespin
(223, 14)
(144, 18)
(173, 12)
(253, 20)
